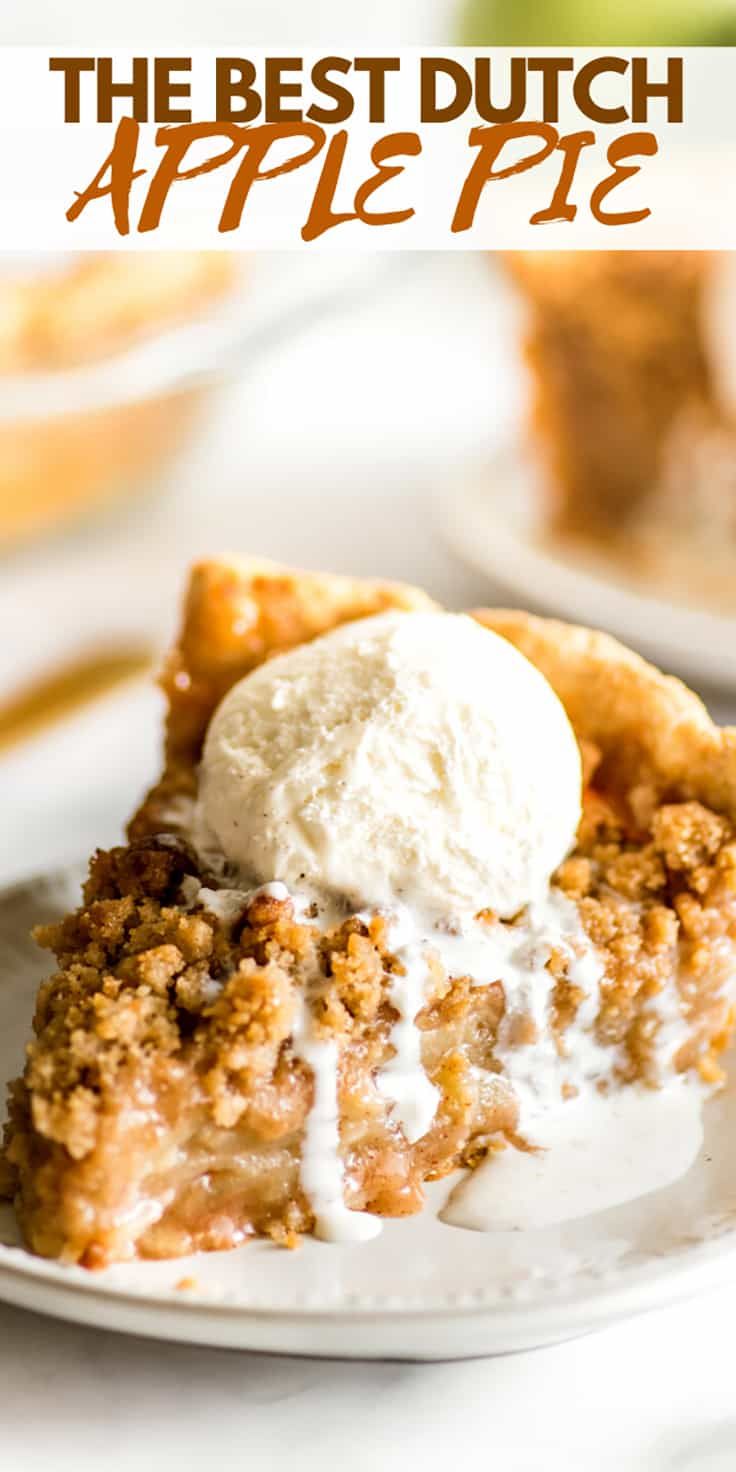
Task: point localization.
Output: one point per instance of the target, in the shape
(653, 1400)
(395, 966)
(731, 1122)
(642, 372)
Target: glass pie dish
(103, 373)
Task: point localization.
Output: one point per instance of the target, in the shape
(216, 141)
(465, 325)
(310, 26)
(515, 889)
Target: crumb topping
(163, 1104)
(142, 977)
(660, 906)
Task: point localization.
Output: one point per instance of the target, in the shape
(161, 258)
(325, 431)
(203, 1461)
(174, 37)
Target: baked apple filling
(333, 965)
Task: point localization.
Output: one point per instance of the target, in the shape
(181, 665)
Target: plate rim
(472, 513)
(464, 1332)
(546, 1310)
(679, 1264)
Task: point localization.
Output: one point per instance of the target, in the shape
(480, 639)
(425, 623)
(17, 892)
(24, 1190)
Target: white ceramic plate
(492, 519)
(422, 1290)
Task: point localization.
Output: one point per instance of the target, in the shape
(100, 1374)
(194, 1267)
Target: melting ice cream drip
(402, 1079)
(401, 754)
(539, 1071)
(321, 1171)
(516, 955)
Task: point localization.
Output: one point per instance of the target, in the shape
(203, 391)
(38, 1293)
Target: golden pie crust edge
(650, 728)
(265, 607)
(237, 613)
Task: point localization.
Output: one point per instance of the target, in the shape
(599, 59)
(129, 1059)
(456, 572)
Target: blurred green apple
(598, 23)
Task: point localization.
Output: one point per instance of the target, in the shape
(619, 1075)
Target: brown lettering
(377, 68)
(642, 89)
(342, 98)
(72, 68)
(136, 89)
(164, 89)
(550, 68)
(582, 85)
(276, 89)
(517, 99)
(431, 68)
(234, 83)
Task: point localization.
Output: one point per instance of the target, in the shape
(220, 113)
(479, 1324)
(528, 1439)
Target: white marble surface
(326, 456)
(654, 1395)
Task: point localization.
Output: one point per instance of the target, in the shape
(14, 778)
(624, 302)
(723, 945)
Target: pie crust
(163, 1105)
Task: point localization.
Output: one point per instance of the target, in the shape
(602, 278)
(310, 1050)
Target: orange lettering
(490, 143)
(628, 146)
(121, 165)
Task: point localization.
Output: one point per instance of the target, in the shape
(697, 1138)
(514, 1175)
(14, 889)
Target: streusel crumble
(172, 1087)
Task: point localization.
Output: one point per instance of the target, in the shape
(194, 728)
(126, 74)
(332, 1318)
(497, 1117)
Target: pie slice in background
(633, 375)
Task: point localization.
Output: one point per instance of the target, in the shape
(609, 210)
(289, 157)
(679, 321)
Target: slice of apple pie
(633, 396)
(411, 881)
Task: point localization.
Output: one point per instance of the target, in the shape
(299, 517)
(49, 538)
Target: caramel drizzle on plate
(65, 689)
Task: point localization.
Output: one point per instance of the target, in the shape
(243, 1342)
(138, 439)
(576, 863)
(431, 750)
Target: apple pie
(370, 925)
(634, 409)
(60, 314)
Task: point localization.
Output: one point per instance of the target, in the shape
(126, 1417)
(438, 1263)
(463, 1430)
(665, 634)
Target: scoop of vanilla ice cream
(413, 757)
